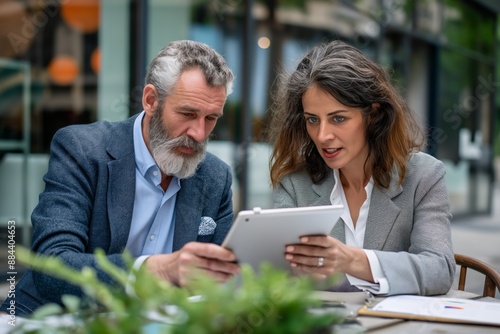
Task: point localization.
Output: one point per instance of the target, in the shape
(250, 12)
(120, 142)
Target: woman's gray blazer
(408, 226)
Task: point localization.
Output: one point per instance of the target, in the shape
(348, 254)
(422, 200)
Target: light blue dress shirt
(153, 217)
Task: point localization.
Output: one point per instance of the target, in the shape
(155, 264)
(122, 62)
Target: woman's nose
(325, 133)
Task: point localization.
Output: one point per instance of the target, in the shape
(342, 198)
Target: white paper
(440, 307)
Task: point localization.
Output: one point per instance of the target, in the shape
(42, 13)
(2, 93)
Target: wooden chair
(492, 277)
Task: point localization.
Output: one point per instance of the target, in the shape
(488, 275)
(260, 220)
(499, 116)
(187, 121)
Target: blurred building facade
(64, 62)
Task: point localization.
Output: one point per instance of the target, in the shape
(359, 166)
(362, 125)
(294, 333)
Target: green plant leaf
(71, 303)
(267, 301)
(47, 310)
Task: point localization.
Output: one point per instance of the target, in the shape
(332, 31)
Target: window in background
(59, 41)
(465, 108)
(468, 27)
(428, 18)
(465, 104)
(52, 58)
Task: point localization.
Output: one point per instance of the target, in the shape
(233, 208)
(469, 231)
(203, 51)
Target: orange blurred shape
(63, 70)
(81, 15)
(95, 60)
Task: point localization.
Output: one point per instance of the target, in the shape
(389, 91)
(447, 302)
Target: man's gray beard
(162, 146)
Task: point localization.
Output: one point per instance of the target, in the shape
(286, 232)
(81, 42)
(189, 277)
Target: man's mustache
(186, 141)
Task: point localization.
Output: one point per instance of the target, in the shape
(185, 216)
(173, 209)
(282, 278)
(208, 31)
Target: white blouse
(355, 236)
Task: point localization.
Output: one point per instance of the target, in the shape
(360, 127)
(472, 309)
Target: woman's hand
(322, 256)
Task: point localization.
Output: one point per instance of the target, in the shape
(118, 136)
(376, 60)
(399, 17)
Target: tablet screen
(260, 235)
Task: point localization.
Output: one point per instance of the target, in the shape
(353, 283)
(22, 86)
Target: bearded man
(145, 186)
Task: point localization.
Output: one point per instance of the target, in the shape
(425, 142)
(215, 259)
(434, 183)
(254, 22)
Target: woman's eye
(312, 120)
(339, 119)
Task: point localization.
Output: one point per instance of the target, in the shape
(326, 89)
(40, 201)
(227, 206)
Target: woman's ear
(149, 99)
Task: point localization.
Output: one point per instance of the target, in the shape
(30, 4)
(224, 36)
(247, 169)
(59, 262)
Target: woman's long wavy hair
(392, 131)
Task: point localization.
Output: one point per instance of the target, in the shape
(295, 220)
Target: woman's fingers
(310, 261)
(314, 255)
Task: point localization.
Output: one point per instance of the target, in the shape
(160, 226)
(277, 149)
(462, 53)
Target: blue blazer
(88, 202)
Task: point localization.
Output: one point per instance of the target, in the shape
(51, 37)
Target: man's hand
(204, 258)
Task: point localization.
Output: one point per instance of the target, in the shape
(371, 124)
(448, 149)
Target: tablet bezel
(260, 235)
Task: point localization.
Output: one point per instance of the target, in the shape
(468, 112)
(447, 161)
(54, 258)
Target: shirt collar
(143, 159)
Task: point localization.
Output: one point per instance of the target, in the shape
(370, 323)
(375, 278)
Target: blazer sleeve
(428, 266)
(62, 218)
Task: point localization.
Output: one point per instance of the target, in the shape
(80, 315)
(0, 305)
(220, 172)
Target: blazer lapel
(323, 190)
(187, 215)
(338, 231)
(381, 216)
(121, 185)
(121, 195)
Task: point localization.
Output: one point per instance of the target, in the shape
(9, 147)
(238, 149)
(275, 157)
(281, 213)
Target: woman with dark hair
(343, 135)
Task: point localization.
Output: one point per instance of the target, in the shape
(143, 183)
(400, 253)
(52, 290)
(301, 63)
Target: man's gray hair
(178, 56)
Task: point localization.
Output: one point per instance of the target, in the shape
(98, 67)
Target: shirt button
(155, 173)
(152, 237)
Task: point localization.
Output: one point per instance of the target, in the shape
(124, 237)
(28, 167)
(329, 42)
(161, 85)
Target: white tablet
(260, 235)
